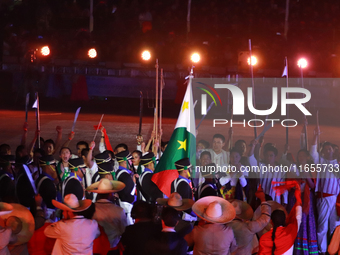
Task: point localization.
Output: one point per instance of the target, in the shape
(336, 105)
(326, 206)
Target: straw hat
(71, 203)
(243, 210)
(105, 186)
(5, 208)
(214, 209)
(175, 200)
(21, 221)
(257, 214)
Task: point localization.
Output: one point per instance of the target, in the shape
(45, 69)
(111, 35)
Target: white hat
(175, 200)
(105, 186)
(214, 209)
(71, 203)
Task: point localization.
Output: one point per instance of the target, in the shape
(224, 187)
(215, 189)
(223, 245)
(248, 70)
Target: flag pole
(305, 126)
(156, 113)
(252, 84)
(100, 122)
(286, 69)
(37, 115)
(160, 108)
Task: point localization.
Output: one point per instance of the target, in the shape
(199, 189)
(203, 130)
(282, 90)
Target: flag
(285, 72)
(35, 105)
(182, 144)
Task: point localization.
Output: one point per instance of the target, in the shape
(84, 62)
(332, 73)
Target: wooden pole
(156, 104)
(253, 85)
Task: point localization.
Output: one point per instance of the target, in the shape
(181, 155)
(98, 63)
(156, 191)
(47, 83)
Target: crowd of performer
(55, 202)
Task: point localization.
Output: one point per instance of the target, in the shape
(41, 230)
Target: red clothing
(284, 236)
(40, 244)
(101, 244)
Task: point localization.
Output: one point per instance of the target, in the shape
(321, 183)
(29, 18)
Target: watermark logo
(204, 97)
(238, 100)
(240, 97)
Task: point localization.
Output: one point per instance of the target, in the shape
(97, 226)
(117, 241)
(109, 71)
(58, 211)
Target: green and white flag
(182, 144)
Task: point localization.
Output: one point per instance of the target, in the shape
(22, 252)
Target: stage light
(146, 55)
(45, 51)
(195, 58)
(92, 53)
(253, 60)
(302, 63)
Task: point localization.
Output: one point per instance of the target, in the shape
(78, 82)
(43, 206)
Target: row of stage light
(146, 56)
(195, 58)
(45, 51)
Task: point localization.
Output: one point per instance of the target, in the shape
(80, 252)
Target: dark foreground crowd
(107, 203)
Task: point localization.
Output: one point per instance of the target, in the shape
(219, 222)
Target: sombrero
(243, 210)
(21, 221)
(105, 186)
(71, 203)
(214, 209)
(257, 214)
(175, 200)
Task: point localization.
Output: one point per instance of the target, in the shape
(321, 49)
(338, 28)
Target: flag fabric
(106, 137)
(35, 105)
(285, 72)
(182, 144)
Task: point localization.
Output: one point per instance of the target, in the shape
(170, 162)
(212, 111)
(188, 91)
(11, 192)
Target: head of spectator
(142, 211)
(80, 146)
(170, 217)
(218, 143)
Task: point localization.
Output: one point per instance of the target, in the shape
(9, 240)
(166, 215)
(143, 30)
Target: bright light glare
(92, 53)
(253, 60)
(302, 63)
(45, 51)
(195, 58)
(146, 55)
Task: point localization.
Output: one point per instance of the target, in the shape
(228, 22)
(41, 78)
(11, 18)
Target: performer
(175, 200)
(74, 233)
(327, 190)
(212, 235)
(244, 229)
(182, 184)
(147, 189)
(234, 182)
(306, 241)
(126, 195)
(5, 231)
(208, 187)
(168, 242)
(266, 175)
(219, 156)
(63, 167)
(136, 236)
(280, 240)
(108, 215)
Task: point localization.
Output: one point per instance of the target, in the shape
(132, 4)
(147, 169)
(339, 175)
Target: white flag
(285, 72)
(35, 105)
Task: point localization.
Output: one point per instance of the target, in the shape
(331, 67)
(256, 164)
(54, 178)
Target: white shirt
(266, 179)
(326, 181)
(74, 236)
(221, 159)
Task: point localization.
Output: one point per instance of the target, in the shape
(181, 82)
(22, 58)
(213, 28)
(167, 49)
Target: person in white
(327, 190)
(74, 233)
(266, 175)
(219, 156)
